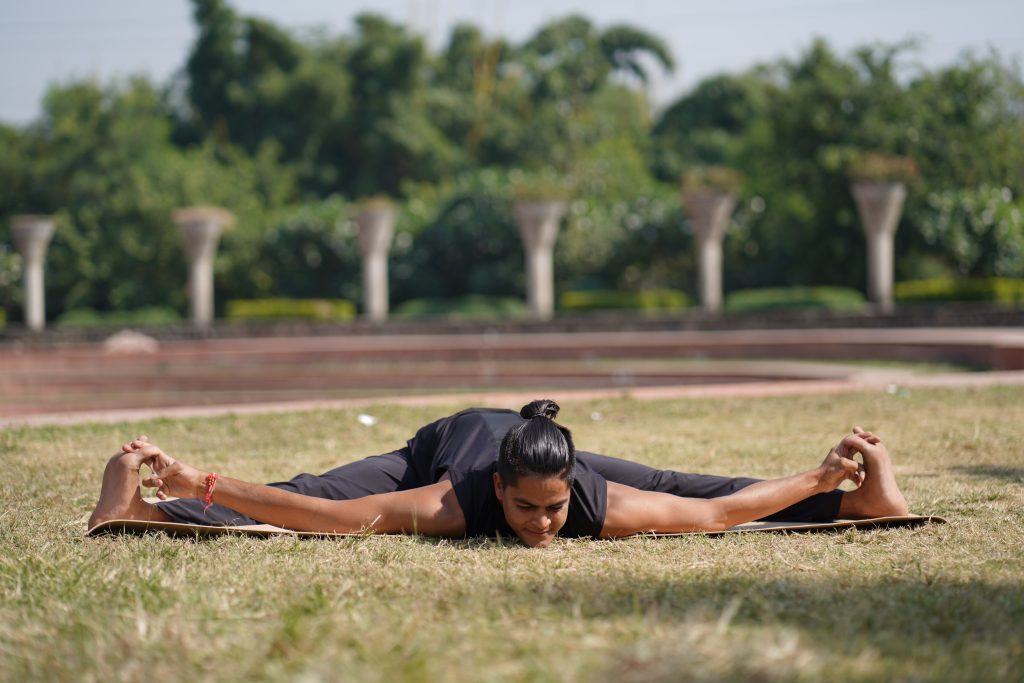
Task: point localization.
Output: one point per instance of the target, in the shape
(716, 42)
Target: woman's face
(535, 507)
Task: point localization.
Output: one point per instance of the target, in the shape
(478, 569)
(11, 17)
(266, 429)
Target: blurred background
(294, 117)
(114, 113)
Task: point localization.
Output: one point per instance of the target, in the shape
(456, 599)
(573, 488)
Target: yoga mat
(132, 526)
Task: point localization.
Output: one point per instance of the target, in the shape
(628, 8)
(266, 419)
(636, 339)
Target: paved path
(864, 383)
(90, 382)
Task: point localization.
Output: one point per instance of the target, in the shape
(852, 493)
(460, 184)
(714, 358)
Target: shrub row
(147, 315)
(470, 307)
(610, 299)
(241, 310)
(478, 307)
(996, 289)
(829, 298)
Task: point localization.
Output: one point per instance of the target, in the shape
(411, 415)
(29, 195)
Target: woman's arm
(631, 511)
(431, 510)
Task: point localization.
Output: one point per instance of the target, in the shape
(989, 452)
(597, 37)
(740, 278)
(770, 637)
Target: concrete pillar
(32, 236)
(201, 227)
(538, 228)
(711, 213)
(880, 206)
(376, 225)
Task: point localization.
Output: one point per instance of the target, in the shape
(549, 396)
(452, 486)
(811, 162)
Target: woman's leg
(818, 508)
(120, 497)
(879, 495)
(375, 474)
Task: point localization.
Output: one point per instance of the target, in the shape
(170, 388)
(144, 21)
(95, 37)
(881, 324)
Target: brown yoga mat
(131, 526)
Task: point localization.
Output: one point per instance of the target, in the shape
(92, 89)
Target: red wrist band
(211, 481)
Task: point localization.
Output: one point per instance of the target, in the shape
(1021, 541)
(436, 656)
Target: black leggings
(393, 472)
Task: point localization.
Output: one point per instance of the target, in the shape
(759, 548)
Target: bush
(147, 315)
(996, 289)
(471, 307)
(3, 318)
(610, 299)
(240, 310)
(780, 298)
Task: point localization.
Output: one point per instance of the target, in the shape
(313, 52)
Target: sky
(47, 41)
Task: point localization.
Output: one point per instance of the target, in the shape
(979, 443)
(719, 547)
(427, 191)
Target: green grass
(934, 603)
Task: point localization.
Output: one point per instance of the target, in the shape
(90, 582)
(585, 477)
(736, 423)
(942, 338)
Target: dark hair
(538, 446)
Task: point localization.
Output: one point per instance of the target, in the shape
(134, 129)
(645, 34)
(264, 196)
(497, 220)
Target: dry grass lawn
(928, 604)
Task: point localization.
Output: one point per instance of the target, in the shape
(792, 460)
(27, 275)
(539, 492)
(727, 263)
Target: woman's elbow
(717, 519)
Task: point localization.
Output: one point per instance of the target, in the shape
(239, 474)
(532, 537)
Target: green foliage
(285, 130)
(309, 250)
(470, 307)
(243, 310)
(611, 299)
(639, 243)
(980, 229)
(10, 273)
(465, 242)
(792, 126)
(781, 298)
(998, 289)
(706, 126)
(3, 318)
(146, 316)
(107, 162)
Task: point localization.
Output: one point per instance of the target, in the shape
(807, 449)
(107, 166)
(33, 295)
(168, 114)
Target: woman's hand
(132, 457)
(839, 465)
(170, 477)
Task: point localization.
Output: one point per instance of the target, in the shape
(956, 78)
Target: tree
(106, 165)
(788, 126)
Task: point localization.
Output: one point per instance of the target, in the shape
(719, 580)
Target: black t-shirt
(466, 445)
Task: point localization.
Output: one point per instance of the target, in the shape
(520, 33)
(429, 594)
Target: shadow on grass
(907, 620)
(1004, 473)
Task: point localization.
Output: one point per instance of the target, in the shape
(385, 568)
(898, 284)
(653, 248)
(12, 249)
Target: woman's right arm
(431, 510)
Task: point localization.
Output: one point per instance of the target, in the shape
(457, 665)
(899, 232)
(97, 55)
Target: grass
(941, 602)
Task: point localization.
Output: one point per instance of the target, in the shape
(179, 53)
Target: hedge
(613, 299)
(777, 298)
(241, 310)
(470, 307)
(147, 315)
(996, 289)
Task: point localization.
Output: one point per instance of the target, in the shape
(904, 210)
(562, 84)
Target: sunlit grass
(933, 603)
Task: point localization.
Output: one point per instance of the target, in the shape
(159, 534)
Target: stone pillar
(880, 206)
(538, 228)
(711, 213)
(376, 225)
(32, 236)
(201, 227)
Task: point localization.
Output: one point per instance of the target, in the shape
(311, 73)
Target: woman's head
(535, 474)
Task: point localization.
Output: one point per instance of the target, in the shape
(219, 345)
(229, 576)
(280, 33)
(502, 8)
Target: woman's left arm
(631, 511)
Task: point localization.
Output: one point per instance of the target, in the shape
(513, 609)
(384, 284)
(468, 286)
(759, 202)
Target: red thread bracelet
(211, 481)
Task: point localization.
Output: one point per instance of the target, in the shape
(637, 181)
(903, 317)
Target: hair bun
(540, 408)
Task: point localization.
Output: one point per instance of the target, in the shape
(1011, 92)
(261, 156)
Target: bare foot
(879, 495)
(120, 496)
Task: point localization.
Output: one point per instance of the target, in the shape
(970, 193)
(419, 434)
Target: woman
(486, 472)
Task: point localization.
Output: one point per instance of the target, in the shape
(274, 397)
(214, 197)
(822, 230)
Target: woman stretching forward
(486, 472)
